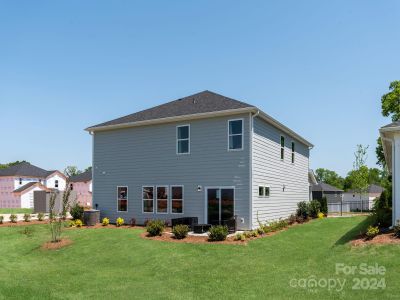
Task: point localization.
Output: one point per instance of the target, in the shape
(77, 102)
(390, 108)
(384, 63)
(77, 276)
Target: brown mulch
(55, 246)
(23, 223)
(381, 239)
(99, 225)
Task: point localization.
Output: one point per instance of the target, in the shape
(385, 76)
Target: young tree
(360, 180)
(71, 171)
(4, 166)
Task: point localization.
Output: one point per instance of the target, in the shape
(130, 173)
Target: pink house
(81, 186)
(18, 183)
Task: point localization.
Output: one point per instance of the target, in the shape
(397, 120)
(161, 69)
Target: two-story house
(81, 186)
(18, 183)
(205, 156)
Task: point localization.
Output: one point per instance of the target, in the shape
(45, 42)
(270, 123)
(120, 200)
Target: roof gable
(27, 187)
(324, 187)
(24, 169)
(83, 177)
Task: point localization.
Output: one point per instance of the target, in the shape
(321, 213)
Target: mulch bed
(55, 246)
(23, 223)
(381, 239)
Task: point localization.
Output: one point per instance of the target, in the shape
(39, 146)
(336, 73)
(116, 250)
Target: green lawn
(16, 211)
(117, 264)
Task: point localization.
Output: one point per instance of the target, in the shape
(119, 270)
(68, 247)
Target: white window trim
(183, 198)
(240, 119)
(292, 153)
(177, 140)
(218, 187)
(127, 198)
(264, 186)
(156, 198)
(141, 197)
(280, 147)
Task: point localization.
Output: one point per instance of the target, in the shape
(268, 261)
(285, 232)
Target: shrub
(302, 209)
(292, 219)
(28, 231)
(266, 228)
(372, 232)
(240, 237)
(247, 234)
(13, 218)
(396, 229)
(278, 225)
(254, 233)
(133, 222)
(40, 216)
(71, 223)
(27, 217)
(146, 222)
(314, 208)
(218, 233)
(105, 221)
(382, 217)
(283, 223)
(180, 231)
(1, 219)
(155, 227)
(119, 222)
(76, 212)
(321, 215)
(323, 205)
(260, 231)
(78, 223)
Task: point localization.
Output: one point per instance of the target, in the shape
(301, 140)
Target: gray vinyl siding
(146, 155)
(268, 169)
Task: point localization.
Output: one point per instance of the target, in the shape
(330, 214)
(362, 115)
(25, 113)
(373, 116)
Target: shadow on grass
(354, 232)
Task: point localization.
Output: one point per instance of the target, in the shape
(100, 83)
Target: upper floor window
(56, 183)
(282, 147)
(183, 139)
(235, 134)
(293, 151)
(122, 198)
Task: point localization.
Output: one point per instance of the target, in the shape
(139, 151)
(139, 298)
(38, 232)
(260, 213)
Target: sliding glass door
(220, 205)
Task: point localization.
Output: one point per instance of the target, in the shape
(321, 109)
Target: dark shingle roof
(24, 169)
(394, 124)
(25, 186)
(324, 187)
(202, 102)
(83, 177)
(372, 189)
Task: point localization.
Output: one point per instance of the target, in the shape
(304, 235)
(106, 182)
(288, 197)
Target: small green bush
(119, 222)
(314, 207)
(302, 209)
(78, 223)
(382, 217)
(105, 221)
(155, 227)
(247, 234)
(218, 233)
(372, 232)
(292, 219)
(240, 237)
(71, 223)
(260, 231)
(323, 205)
(76, 212)
(266, 229)
(40, 216)
(1, 219)
(27, 217)
(254, 233)
(13, 218)
(180, 231)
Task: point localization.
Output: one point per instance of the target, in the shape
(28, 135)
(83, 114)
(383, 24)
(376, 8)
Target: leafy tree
(88, 169)
(390, 108)
(71, 171)
(5, 166)
(329, 177)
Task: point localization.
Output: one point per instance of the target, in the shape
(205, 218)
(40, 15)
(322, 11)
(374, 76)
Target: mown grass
(15, 211)
(111, 263)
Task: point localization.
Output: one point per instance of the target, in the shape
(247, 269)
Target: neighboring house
(332, 194)
(81, 184)
(18, 183)
(390, 136)
(367, 199)
(205, 156)
(311, 182)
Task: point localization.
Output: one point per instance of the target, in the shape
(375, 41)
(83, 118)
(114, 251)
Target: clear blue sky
(320, 67)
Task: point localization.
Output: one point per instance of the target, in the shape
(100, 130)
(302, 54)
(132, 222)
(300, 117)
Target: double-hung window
(148, 199)
(263, 191)
(122, 198)
(235, 134)
(162, 199)
(282, 147)
(183, 139)
(177, 199)
(293, 151)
